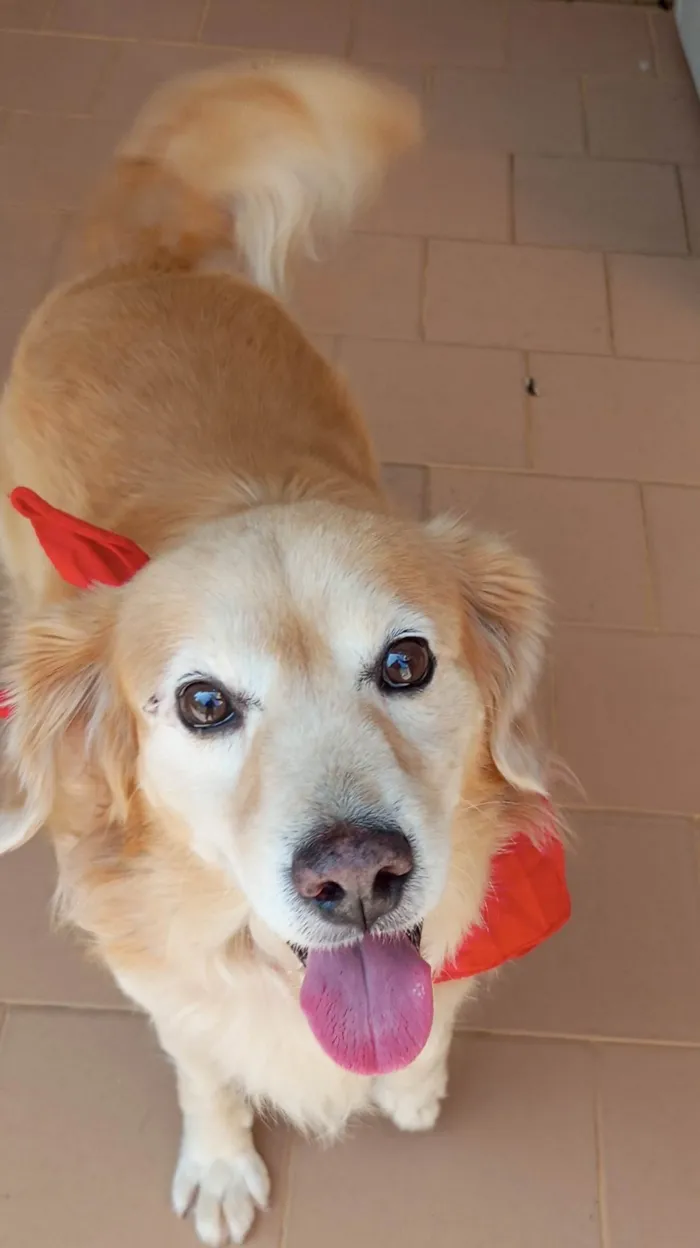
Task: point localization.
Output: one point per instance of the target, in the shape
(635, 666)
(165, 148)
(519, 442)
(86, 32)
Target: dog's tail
(258, 161)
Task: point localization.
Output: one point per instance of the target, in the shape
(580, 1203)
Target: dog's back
(147, 392)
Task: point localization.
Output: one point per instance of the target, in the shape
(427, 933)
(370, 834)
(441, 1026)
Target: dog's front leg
(412, 1098)
(219, 1177)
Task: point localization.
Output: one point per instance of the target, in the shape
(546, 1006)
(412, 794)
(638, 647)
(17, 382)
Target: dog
(276, 764)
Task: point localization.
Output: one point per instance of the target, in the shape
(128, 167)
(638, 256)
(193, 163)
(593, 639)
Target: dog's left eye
(407, 664)
(203, 705)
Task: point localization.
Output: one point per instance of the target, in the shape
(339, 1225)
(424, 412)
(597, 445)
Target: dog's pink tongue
(369, 1005)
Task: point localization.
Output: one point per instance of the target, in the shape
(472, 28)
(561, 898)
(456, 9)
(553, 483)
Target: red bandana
(527, 899)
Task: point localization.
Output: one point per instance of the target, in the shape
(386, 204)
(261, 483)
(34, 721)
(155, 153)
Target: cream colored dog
(287, 750)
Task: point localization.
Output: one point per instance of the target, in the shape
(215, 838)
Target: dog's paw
(412, 1106)
(413, 1115)
(222, 1196)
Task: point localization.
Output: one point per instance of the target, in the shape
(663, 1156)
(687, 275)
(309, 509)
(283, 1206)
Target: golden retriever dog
(277, 762)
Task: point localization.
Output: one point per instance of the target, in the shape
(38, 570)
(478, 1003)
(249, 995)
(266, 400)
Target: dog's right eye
(202, 705)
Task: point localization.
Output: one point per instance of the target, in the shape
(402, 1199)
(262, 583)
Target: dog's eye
(203, 705)
(407, 664)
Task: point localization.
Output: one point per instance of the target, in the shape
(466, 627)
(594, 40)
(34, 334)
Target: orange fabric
(80, 552)
(527, 900)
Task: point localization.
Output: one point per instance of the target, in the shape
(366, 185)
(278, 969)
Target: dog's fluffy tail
(260, 161)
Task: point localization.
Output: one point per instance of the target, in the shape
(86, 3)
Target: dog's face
(306, 712)
(303, 692)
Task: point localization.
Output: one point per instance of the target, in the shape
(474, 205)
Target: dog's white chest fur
(248, 1021)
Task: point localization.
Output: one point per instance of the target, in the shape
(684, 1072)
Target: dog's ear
(504, 629)
(68, 716)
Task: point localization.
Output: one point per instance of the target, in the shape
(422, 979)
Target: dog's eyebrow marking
(152, 704)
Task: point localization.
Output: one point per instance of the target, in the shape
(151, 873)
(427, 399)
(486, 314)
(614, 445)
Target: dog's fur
(183, 408)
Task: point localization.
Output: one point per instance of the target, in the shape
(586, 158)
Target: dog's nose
(353, 875)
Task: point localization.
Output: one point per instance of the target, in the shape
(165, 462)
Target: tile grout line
(66, 220)
(636, 812)
(19, 1006)
(204, 14)
(501, 1033)
(583, 99)
(424, 493)
(528, 413)
(551, 692)
(287, 1193)
(607, 279)
(354, 10)
(577, 1038)
(428, 491)
(470, 241)
(601, 1178)
(655, 58)
(684, 208)
(695, 833)
(423, 289)
(4, 1019)
(512, 230)
(653, 589)
(537, 473)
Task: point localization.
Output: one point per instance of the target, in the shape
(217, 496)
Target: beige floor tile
(628, 717)
(432, 404)
(690, 183)
(159, 19)
(53, 160)
(28, 242)
(643, 119)
(39, 964)
(670, 58)
(448, 32)
(370, 287)
(327, 344)
(616, 418)
(23, 14)
(673, 519)
(650, 1112)
(511, 1162)
(90, 1136)
(579, 38)
(655, 302)
(608, 205)
(532, 114)
(586, 536)
(68, 258)
(446, 193)
(10, 326)
(621, 966)
(528, 297)
(40, 74)
(305, 26)
(140, 68)
(407, 487)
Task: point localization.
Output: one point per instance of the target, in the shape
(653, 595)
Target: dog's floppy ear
(66, 712)
(504, 629)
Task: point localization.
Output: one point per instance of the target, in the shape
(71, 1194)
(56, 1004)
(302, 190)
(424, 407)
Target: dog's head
(312, 698)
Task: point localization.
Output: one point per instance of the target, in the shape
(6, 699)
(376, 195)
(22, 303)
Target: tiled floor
(550, 230)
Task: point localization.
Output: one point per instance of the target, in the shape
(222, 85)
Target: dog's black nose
(353, 875)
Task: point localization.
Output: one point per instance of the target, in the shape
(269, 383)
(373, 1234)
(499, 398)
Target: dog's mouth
(415, 936)
(369, 1004)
